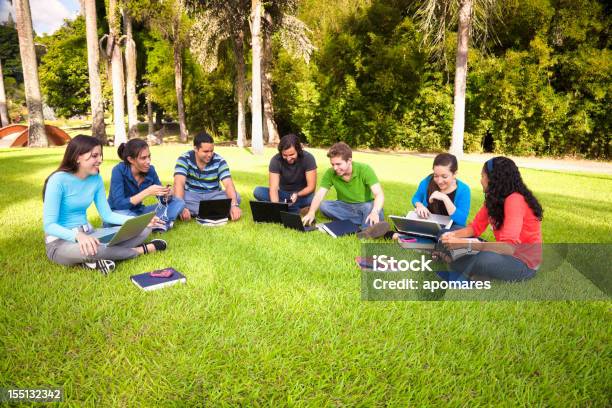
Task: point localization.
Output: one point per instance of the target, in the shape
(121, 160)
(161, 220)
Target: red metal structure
(17, 136)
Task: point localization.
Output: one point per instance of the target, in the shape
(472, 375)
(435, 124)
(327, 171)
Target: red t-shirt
(521, 227)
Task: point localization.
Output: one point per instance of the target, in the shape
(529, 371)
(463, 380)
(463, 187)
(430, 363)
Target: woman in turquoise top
(441, 193)
(68, 192)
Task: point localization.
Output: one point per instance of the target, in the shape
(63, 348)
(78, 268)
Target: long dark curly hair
(505, 179)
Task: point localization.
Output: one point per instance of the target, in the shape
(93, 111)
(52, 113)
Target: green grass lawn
(274, 317)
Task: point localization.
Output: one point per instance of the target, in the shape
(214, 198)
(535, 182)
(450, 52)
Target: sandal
(159, 244)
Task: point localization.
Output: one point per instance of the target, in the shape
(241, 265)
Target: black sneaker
(105, 266)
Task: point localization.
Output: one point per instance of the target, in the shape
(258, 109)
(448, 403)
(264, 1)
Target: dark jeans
(492, 265)
(263, 194)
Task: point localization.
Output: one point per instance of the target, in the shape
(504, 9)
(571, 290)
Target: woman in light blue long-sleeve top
(68, 192)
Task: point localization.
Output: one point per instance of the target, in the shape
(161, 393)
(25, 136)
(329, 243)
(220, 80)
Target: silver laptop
(426, 227)
(130, 229)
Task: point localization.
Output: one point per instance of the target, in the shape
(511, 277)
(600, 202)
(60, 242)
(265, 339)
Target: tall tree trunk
(463, 37)
(4, 118)
(130, 75)
(256, 121)
(178, 82)
(37, 135)
(159, 116)
(270, 130)
(98, 128)
(151, 128)
(114, 51)
(240, 86)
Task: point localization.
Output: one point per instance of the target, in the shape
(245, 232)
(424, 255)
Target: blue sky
(47, 15)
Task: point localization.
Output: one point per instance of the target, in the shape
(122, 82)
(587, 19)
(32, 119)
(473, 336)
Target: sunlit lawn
(274, 317)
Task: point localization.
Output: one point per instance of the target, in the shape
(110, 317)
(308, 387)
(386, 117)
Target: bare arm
(274, 181)
(179, 186)
(311, 183)
(230, 190)
(460, 239)
(379, 202)
(179, 191)
(314, 206)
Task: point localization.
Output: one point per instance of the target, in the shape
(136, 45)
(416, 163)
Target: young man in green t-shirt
(360, 195)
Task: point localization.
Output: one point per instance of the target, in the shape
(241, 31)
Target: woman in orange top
(515, 216)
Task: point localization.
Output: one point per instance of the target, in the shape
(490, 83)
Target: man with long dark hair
(292, 175)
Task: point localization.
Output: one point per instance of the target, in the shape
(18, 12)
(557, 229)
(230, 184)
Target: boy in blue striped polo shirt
(198, 174)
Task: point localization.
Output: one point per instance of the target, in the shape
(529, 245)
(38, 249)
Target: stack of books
(205, 222)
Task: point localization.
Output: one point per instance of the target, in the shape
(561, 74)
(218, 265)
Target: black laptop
(294, 221)
(267, 211)
(214, 209)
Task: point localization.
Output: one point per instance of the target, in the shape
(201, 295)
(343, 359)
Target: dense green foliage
(63, 70)
(12, 70)
(541, 84)
(542, 87)
(9, 52)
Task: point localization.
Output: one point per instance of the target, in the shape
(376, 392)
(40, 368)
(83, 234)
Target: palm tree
(37, 135)
(293, 34)
(256, 119)
(112, 53)
(98, 128)
(4, 119)
(473, 18)
(130, 74)
(270, 130)
(169, 19)
(215, 22)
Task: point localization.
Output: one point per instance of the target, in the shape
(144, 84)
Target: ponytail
(131, 149)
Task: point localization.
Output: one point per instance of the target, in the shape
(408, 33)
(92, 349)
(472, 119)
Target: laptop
(294, 221)
(425, 227)
(214, 209)
(130, 229)
(267, 211)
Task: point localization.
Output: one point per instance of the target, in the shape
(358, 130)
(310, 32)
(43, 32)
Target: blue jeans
(353, 212)
(493, 265)
(263, 194)
(192, 199)
(166, 213)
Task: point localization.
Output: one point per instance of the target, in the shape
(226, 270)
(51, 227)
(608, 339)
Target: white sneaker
(105, 266)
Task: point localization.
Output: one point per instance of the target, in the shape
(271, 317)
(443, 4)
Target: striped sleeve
(182, 166)
(223, 170)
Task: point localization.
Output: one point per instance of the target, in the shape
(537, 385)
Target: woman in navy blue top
(442, 193)
(135, 179)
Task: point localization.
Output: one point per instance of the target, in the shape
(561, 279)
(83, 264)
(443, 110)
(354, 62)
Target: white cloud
(47, 15)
